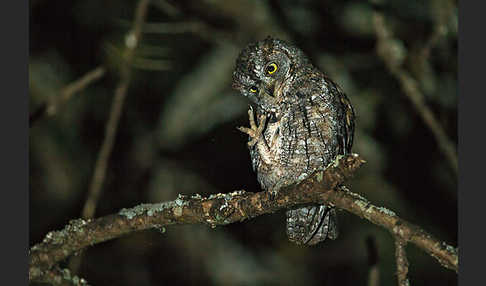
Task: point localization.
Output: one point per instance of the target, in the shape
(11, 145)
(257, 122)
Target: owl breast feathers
(304, 121)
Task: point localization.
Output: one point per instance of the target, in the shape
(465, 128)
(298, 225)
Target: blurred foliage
(177, 134)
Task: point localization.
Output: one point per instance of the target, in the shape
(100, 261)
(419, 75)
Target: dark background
(177, 134)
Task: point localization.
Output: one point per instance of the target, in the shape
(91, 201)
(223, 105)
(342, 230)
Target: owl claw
(255, 131)
(273, 193)
(252, 118)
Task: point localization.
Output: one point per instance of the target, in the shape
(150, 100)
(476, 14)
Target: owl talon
(252, 118)
(273, 194)
(252, 133)
(255, 131)
(301, 122)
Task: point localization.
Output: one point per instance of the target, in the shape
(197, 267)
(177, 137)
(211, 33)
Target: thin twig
(258, 24)
(402, 262)
(388, 51)
(223, 209)
(443, 11)
(65, 94)
(167, 7)
(374, 274)
(132, 40)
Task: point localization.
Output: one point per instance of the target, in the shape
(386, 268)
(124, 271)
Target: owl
(301, 121)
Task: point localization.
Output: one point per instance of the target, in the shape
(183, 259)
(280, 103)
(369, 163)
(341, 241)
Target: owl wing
(329, 111)
(344, 113)
(325, 115)
(346, 132)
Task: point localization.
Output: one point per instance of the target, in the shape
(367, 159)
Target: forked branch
(223, 209)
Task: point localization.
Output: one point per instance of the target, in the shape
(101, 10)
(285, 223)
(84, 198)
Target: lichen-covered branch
(445, 254)
(402, 262)
(222, 209)
(219, 209)
(61, 277)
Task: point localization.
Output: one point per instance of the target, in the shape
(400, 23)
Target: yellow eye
(253, 89)
(271, 68)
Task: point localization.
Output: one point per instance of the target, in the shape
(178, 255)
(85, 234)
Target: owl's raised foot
(255, 131)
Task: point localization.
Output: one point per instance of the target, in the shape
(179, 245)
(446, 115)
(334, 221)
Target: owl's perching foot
(255, 131)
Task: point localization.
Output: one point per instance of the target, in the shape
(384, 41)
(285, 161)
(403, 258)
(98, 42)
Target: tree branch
(402, 262)
(61, 277)
(65, 94)
(445, 254)
(389, 52)
(223, 209)
(374, 273)
(132, 40)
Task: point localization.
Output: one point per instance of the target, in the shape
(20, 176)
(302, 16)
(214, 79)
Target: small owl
(303, 121)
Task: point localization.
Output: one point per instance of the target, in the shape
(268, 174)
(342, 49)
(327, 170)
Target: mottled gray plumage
(304, 121)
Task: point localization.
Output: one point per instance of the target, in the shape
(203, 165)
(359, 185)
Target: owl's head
(264, 69)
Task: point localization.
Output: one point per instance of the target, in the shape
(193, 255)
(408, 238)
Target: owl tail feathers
(312, 224)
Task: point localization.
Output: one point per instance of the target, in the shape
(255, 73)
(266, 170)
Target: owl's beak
(271, 91)
(278, 89)
(265, 92)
